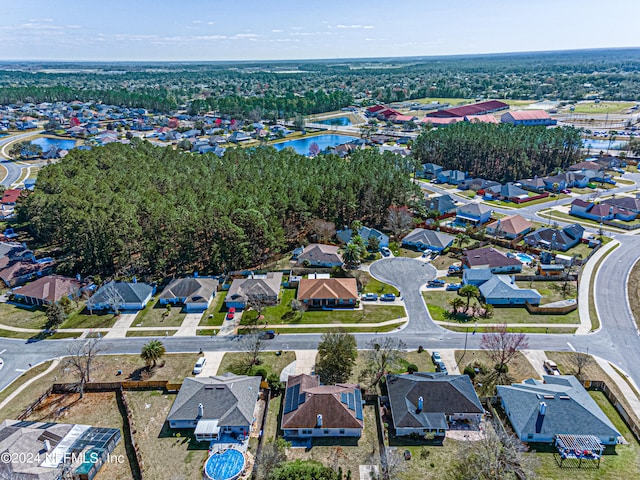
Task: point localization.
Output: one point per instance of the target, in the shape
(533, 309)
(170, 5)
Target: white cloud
(38, 20)
(277, 31)
(197, 21)
(355, 26)
(211, 23)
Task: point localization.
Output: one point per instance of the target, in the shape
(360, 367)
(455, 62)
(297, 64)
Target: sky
(211, 30)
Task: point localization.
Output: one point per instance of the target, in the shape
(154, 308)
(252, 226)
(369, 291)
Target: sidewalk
(536, 359)
(119, 330)
(627, 391)
(6, 401)
(511, 325)
(585, 287)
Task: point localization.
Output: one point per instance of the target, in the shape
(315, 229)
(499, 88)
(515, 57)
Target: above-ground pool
(225, 465)
(336, 121)
(302, 145)
(48, 143)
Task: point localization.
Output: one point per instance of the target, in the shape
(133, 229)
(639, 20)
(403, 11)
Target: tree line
(152, 211)
(500, 152)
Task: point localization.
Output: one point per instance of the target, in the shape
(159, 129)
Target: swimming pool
(225, 465)
(524, 258)
(302, 145)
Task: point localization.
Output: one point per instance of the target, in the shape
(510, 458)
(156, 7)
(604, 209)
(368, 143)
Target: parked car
(372, 297)
(452, 287)
(388, 297)
(385, 251)
(268, 334)
(435, 357)
(441, 367)
(427, 253)
(565, 191)
(436, 283)
(551, 367)
(454, 269)
(199, 365)
(230, 316)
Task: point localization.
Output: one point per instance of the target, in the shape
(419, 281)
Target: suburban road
(14, 169)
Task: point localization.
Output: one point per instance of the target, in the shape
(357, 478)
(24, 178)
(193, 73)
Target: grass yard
(12, 334)
(552, 291)
(421, 360)
(150, 333)
(633, 287)
(217, 309)
(271, 361)
(557, 215)
(438, 305)
(373, 285)
(22, 316)
(81, 318)
(167, 453)
(328, 328)
(551, 329)
(624, 463)
(95, 409)
(427, 461)
(443, 262)
(602, 107)
(156, 315)
(501, 203)
(519, 368)
(451, 101)
(348, 453)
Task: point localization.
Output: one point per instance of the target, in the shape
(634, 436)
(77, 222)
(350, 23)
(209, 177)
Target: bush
(501, 368)
(469, 370)
(260, 371)
(420, 349)
(412, 368)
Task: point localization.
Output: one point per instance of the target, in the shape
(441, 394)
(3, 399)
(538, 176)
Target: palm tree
(152, 352)
(462, 238)
(351, 254)
(456, 303)
(469, 292)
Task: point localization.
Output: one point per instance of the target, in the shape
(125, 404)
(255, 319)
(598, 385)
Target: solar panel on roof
(343, 397)
(44, 426)
(24, 423)
(358, 405)
(351, 401)
(292, 399)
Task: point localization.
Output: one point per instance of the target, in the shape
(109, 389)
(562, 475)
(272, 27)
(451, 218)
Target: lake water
(338, 121)
(48, 143)
(302, 145)
(598, 145)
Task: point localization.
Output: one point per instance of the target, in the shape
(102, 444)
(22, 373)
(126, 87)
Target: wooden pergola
(579, 447)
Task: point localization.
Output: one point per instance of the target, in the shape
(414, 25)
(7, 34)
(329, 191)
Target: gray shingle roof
(243, 288)
(428, 237)
(475, 209)
(228, 398)
(193, 289)
(129, 292)
(442, 395)
(500, 286)
(569, 408)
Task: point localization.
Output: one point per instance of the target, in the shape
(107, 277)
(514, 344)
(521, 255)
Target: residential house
(533, 184)
(10, 196)
(558, 182)
(365, 233)
(121, 296)
(510, 227)
(263, 288)
(431, 170)
(14, 272)
(315, 410)
(502, 290)
(539, 411)
(195, 293)
(490, 258)
(237, 137)
(10, 251)
(48, 290)
(328, 292)
(628, 203)
(508, 192)
(528, 118)
(586, 165)
(320, 255)
(427, 404)
(442, 204)
(556, 239)
(36, 450)
(423, 239)
(473, 213)
(600, 211)
(216, 406)
(476, 276)
(452, 177)
(477, 184)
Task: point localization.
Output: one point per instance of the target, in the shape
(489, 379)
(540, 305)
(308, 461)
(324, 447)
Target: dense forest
(309, 87)
(501, 152)
(152, 211)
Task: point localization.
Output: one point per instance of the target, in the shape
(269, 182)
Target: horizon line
(325, 59)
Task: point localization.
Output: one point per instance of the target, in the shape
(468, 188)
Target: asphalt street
(14, 169)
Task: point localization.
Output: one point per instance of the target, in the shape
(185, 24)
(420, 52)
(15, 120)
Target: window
(342, 431)
(326, 432)
(530, 435)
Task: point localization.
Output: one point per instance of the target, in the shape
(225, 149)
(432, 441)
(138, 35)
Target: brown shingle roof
(322, 400)
(513, 224)
(326, 288)
(51, 288)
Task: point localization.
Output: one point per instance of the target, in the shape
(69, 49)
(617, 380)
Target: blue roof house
(473, 213)
(423, 239)
(502, 290)
(121, 296)
(540, 411)
(452, 177)
(365, 233)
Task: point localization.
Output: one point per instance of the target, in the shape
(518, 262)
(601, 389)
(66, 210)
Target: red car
(231, 313)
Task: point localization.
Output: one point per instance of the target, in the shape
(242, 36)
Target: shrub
(501, 368)
(412, 368)
(469, 370)
(420, 349)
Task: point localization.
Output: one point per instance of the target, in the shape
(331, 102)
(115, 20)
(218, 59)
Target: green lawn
(329, 328)
(450, 101)
(376, 286)
(156, 315)
(621, 464)
(271, 361)
(16, 315)
(555, 214)
(551, 329)
(150, 333)
(12, 334)
(602, 107)
(548, 199)
(81, 318)
(217, 309)
(552, 291)
(519, 367)
(438, 304)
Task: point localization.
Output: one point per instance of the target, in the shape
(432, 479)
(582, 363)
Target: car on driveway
(437, 283)
(435, 357)
(199, 365)
(441, 367)
(231, 313)
(371, 297)
(388, 297)
(454, 269)
(427, 253)
(452, 287)
(551, 367)
(385, 251)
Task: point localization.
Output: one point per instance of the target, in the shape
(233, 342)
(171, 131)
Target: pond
(48, 143)
(598, 145)
(337, 121)
(302, 145)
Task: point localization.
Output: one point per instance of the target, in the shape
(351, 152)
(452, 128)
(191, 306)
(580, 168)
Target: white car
(199, 365)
